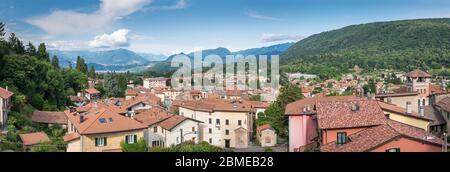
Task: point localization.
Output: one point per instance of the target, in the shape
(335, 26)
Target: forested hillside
(402, 45)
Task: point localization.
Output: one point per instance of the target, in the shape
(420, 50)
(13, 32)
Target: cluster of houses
(414, 118)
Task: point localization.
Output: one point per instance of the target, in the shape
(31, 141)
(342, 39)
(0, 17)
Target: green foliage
(37, 101)
(255, 98)
(274, 114)
(92, 73)
(370, 87)
(81, 65)
(268, 150)
(45, 147)
(140, 146)
(42, 53)
(402, 45)
(55, 62)
(189, 147)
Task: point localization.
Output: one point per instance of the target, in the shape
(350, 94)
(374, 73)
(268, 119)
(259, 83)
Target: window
(193, 129)
(423, 102)
(393, 150)
(210, 140)
(268, 139)
(100, 141)
(210, 121)
(227, 132)
(227, 122)
(210, 131)
(217, 121)
(239, 122)
(341, 138)
(130, 139)
(155, 129)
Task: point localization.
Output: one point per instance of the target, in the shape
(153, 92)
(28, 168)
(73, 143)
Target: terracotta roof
(173, 121)
(234, 93)
(371, 138)
(397, 94)
(33, 138)
(263, 127)
(71, 137)
(131, 92)
(100, 118)
(49, 117)
(418, 73)
(339, 114)
(296, 108)
(77, 99)
(258, 104)
(436, 89)
(444, 104)
(5, 93)
(92, 91)
(401, 111)
(152, 116)
(147, 98)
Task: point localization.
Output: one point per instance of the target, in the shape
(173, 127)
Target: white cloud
(67, 45)
(118, 38)
(73, 22)
(273, 37)
(181, 4)
(256, 15)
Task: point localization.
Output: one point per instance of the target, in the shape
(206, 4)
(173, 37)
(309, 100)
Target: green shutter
(135, 138)
(106, 142)
(126, 139)
(96, 142)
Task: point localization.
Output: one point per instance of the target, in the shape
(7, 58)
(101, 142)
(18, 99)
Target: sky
(174, 26)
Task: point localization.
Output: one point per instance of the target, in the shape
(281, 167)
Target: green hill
(403, 45)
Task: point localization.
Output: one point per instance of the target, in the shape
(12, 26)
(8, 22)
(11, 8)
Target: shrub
(139, 146)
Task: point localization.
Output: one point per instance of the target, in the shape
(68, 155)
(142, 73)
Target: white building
(5, 105)
(227, 124)
(151, 83)
(165, 130)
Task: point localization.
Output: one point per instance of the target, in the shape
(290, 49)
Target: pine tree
(31, 49)
(15, 44)
(2, 30)
(42, 53)
(81, 65)
(92, 72)
(55, 62)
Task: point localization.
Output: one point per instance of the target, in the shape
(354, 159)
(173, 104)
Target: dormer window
(341, 138)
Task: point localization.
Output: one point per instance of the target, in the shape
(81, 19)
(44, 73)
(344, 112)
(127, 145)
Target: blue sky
(172, 26)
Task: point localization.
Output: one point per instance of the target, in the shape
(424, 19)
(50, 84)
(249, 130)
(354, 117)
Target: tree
(81, 65)
(139, 146)
(190, 147)
(289, 94)
(55, 62)
(111, 86)
(255, 97)
(92, 73)
(15, 44)
(42, 53)
(31, 49)
(44, 147)
(2, 30)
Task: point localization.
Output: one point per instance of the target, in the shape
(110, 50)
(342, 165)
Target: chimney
(81, 119)
(355, 107)
(6, 88)
(408, 107)
(422, 111)
(389, 100)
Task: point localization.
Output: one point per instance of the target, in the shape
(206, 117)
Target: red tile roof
(152, 116)
(444, 104)
(71, 136)
(296, 108)
(33, 138)
(77, 99)
(172, 122)
(371, 138)
(49, 117)
(401, 111)
(131, 92)
(263, 127)
(92, 91)
(101, 118)
(217, 105)
(418, 73)
(436, 89)
(339, 114)
(5, 93)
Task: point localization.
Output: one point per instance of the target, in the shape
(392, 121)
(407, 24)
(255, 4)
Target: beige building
(226, 124)
(151, 83)
(5, 106)
(406, 115)
(98, 128)
(266, 136)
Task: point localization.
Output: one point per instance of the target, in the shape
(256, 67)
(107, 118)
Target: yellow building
(97, 128)
(406, 115)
